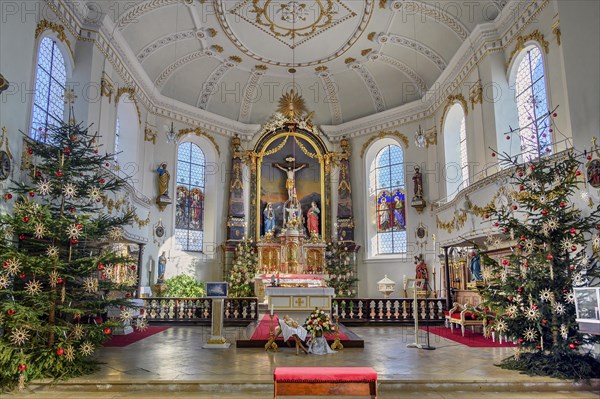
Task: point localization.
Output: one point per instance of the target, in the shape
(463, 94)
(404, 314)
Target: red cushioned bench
(325, 381)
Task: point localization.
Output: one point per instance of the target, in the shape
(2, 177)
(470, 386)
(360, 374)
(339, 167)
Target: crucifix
(290, 167)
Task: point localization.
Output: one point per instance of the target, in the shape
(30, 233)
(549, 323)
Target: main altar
(285, 208)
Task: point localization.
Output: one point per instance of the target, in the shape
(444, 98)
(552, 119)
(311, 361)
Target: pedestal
(216, 341)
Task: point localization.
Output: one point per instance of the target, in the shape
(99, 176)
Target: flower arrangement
(318, 321)
(241, 275)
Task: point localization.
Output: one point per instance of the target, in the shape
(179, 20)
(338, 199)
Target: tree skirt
(124, 340)
(473, 340)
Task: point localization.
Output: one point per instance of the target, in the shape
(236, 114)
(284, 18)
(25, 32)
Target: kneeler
(325, 381)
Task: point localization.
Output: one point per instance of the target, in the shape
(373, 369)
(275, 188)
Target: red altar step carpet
(473, 340)
(135, 336)
(259, 335)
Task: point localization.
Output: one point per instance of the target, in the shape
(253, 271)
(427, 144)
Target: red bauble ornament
(38, 174)
(564, 291)
(22, 367)
(532, 167)
(22, 275)
(534, 306)
(507, 137)
(29, 151)
(538, 347)
(535, 208)
(504, 262)
(578, 173)
(25, 219)
(8, 196)
(122, 307)
(520, 174)
(589, 157)
(107, 164)
(521, 340)
(515, 207)
(544, 322)
(79, 226)
(520, 246)
(60, 351)
(133, 267)
(574, 248)
(521, 188)
(71, 210)
(510, 298)
(141, 311)
(523, 238)
(544, 211)
(60, 281)
(11, 312)
(555, 114)
(572, 346)
(496, 224)
(128, 295)
(487, 215)
(102, 181)
(67, 150)
(520, 289)
(505, 230)
(572, 267)
(550, 257)
(493, 154)
(98, 199)
(526, 264)
(74, 241)
(31, 194)
(107, 331)
(22, 237)
(59, 173)
(562, 204)
(100, 266)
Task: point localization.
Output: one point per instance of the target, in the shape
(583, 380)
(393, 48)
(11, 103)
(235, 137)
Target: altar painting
(272, 183)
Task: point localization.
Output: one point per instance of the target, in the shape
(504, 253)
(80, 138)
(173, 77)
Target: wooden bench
(325, 381)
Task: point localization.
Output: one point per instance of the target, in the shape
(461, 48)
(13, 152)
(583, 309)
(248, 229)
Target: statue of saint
(163, 180)
(162, 265)
(313, 218)
(475, 266)
(290, 171)
(421, 271)
(418, 182)
(384, 214)
(269, 218)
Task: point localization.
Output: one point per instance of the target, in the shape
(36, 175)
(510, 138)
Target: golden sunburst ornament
(291, 104)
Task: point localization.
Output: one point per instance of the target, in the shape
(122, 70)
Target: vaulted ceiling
(349, 58)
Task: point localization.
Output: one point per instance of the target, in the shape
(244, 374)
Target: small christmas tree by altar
(342, 277)
(57, 268)
(552, 241)
(241, 275)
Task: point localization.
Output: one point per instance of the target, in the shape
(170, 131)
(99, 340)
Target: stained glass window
(50, 80)
(189, 214)
(387, 183)
(532, 106)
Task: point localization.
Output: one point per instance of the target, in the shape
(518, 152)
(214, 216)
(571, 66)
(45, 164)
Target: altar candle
(336, 310)
(271, 310)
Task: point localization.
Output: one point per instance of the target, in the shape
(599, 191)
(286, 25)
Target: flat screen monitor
(216, 290)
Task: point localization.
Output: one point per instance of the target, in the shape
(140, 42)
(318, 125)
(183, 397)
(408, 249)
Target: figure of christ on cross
(290, 168)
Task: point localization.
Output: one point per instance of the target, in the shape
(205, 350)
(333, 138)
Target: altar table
(299, 299)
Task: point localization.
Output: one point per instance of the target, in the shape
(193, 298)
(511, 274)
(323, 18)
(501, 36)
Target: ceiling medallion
(267, 29)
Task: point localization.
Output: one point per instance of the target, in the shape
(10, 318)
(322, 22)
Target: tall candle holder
(337, 345)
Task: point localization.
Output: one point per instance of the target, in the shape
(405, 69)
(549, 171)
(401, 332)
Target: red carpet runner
(124, 340)
(264, 327)
(473, 340)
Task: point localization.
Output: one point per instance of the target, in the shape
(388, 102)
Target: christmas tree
(553, 244)
(342, 277)
(58, 270)
(241, 275)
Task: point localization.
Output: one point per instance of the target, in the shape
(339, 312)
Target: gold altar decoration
(476, 94)
(457, 222)
(150, 134)
(131, 91)
(337, 345)
(106, 87)
(381, 135)
(291, 103)
(123, 204)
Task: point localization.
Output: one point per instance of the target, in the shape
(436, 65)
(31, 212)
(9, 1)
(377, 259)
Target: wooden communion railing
(388, 310)
(199, 310)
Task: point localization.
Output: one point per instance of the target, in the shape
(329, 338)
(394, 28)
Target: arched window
(532, 105)
(455, 150)
(189, 213)
(388, 195)
(127, 135)
(50, 81)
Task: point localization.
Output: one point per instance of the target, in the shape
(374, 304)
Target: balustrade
(388, 310)
(199, 309)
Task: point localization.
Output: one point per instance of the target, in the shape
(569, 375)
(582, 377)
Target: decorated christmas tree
(241, 275)
(553, 232)
(342, 277)
(58, 269)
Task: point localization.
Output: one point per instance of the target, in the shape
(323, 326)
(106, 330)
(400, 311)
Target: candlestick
(271, 310)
